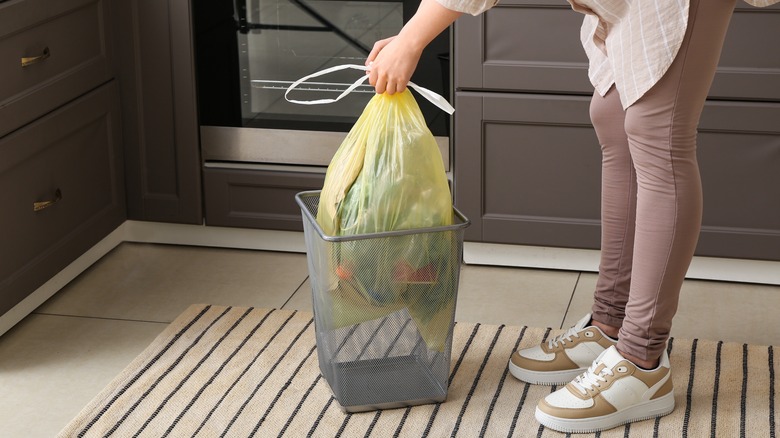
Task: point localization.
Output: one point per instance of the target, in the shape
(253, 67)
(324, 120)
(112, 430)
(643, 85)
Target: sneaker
(562, 358)
(613, 391)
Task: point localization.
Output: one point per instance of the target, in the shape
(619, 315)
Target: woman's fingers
(383, 85)
(390, 65)
(379, 79)
(393, 87)
(380, 86)
(378, 46)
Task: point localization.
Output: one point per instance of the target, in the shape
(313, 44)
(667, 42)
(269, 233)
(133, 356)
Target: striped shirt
(642, 38)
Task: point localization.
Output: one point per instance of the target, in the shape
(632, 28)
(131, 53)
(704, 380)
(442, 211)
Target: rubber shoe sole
(544, 377)
(651, 409)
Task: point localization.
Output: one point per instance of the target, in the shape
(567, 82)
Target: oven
(248, 52)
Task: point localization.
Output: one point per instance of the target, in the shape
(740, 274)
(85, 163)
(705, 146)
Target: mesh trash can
(384, 310)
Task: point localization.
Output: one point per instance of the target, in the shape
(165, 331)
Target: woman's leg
(618, 211)
(661, 128)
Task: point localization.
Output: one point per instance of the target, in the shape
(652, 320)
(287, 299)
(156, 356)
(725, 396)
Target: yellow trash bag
(388, 175)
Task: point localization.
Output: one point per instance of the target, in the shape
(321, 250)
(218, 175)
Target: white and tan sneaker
(563, 357)
(613, 391)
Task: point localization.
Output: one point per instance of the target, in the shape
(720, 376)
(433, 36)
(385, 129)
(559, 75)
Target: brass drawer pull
(34, 59)
(38, 206)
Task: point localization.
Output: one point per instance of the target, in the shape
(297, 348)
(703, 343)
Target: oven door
(248, 52)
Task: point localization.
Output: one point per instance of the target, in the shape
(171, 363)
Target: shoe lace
(561, 339)
(590, 378)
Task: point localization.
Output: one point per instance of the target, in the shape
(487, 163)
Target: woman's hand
(393, 60)
(391, 63)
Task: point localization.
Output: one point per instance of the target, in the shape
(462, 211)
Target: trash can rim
(464, 222)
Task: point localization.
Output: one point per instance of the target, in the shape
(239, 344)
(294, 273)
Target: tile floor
(58, 358)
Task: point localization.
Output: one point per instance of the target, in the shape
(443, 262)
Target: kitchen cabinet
(157, 78)
(257, 198)
(61, 172)
(526, 159)
(540, 190)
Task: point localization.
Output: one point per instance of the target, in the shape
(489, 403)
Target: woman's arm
(393, 60)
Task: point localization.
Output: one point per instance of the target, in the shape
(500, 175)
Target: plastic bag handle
(432, 96)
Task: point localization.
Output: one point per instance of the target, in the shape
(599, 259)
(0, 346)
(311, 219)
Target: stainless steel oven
(249, 51)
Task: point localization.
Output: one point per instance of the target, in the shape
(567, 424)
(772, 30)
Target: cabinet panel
(527, 171)
(739, 159)
(256, 198)
(157, 78)
(523, 45)
(749, 66)
(72, 157)
(66, 55)
(535, 179)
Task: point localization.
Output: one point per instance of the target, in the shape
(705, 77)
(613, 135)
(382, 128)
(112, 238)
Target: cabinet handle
(38, 206)
(30, 60)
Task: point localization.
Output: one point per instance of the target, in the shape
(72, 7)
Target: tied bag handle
(432, 96)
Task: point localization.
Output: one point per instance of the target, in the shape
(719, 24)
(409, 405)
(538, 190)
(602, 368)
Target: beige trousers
(651, 190)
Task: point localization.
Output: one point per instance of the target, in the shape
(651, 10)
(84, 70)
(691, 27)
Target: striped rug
(242, 372)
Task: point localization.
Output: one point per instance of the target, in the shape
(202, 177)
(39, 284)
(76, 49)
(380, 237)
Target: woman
(651, 64)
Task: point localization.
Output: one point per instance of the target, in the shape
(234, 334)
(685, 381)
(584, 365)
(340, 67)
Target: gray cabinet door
(521, 45)
(749, 67)
(527, 171)
(251, 198)
(67, 53)
(61, 190)
(739, 159)
(534, 45)
(156, 73)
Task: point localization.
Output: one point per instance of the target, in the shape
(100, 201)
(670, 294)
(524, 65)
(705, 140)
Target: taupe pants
(651, 190)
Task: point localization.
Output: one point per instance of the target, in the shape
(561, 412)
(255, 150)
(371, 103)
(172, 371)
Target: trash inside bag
(388, 175)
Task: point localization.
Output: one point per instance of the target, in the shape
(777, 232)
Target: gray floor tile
(514, 296)
(582, 300)
(301, 299)
(157, 282)
(52, 366)
(732, 312)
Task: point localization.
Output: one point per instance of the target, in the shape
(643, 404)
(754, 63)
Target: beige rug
(240, 372)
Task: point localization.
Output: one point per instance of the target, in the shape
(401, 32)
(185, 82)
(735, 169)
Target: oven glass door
(248, 52)
(282, 41)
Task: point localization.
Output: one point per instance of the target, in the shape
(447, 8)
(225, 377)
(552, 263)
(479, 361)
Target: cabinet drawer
(749, 66)
(256, 198)
(534, 46)
(67, 50)
(522, 46)
(76, 151)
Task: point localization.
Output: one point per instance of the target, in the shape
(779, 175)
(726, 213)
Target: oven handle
(432, 96)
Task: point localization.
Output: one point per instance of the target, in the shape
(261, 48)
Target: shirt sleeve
(473, 7)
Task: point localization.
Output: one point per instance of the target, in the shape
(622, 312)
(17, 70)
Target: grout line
(101, 318)
(571, 298)
(295, 292)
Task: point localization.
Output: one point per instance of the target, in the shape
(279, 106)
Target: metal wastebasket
(384, 310)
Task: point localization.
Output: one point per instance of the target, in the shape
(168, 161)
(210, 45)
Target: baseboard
(531, 257)
(224, 237)
(702, 268)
